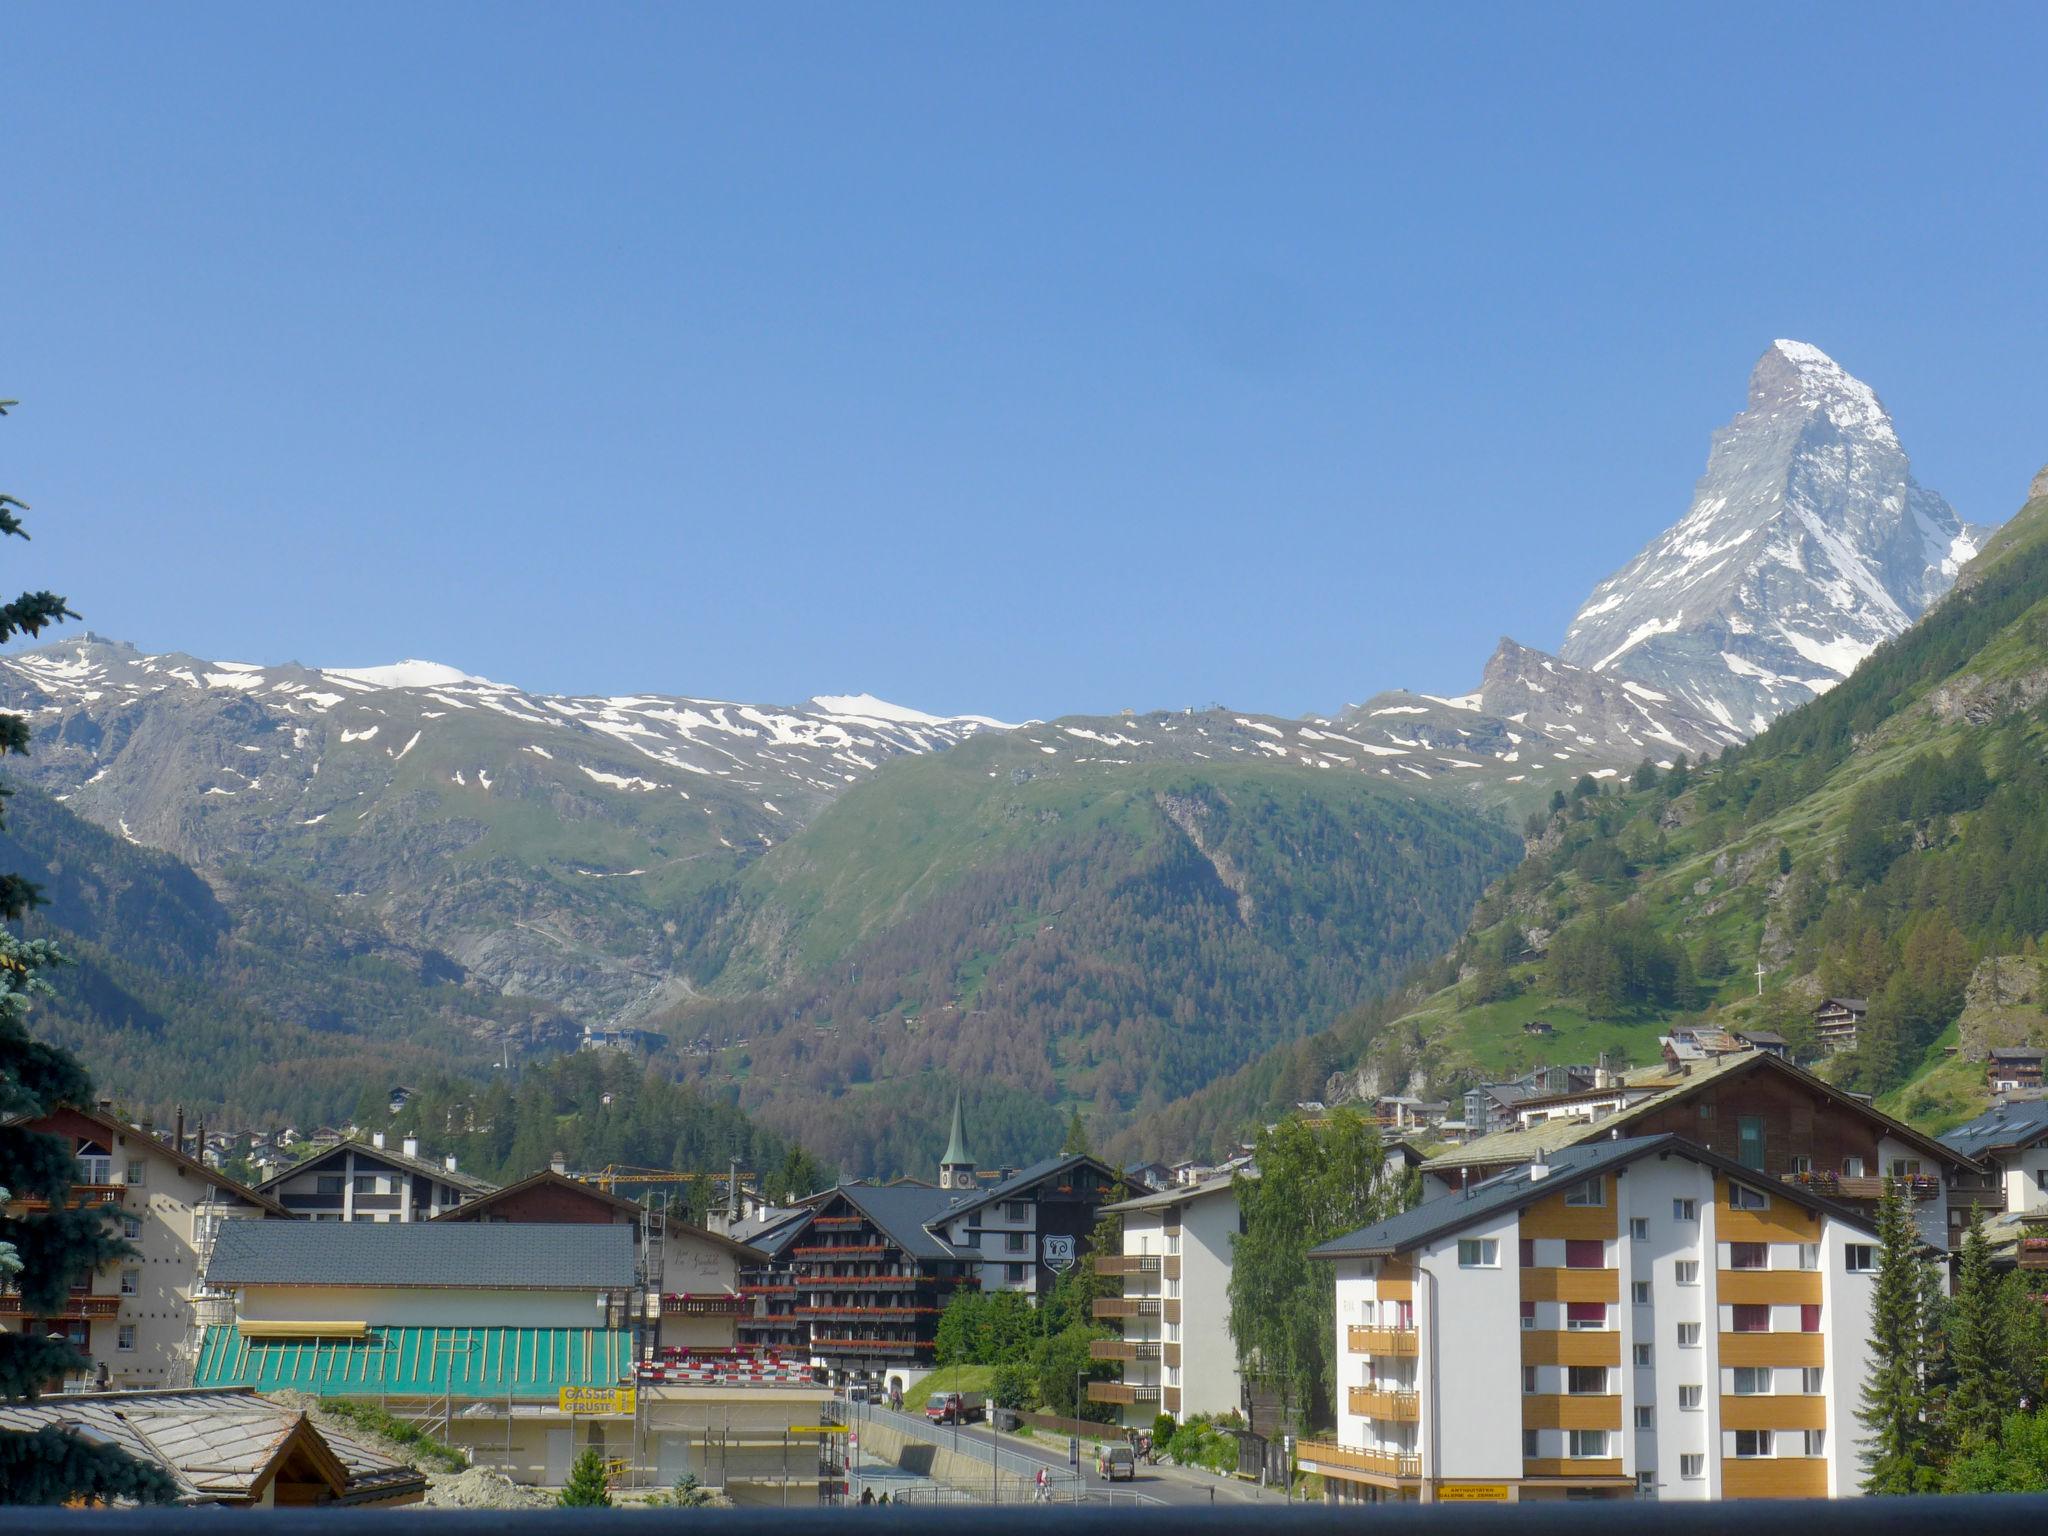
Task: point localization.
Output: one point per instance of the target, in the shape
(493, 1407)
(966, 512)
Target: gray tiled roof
(2003, 1125)
(499, 1255)
(901, 1211)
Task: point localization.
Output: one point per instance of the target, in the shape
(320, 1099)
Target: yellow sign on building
(1473, 1493)
(596, 1400)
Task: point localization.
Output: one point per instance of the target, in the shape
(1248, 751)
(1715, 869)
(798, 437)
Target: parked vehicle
(956, 1407)
(1118, 1463)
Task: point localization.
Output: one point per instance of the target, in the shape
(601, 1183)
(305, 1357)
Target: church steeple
(956, 1168)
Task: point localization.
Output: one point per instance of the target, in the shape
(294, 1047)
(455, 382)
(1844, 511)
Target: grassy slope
(1713, 881)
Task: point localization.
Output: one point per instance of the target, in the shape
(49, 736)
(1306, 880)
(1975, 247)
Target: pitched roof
(501, 1255)
(1521, 1187)
(397, 1159)
(2002, 1127)
(1671, 1085)
(2017, 1053)
(185, 1160)
(1023, 1179)
(219, 1445)
(1179, 1194)
(900, 1213)
(1853, 1004)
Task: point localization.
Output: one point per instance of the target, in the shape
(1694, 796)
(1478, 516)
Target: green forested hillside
(1887, 841)
(1112, 935)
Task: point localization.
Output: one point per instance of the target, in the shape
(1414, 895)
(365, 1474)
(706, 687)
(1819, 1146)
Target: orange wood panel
(1773, 1287)
(1571, 1285)
(1774, 1411)
(1771, 1348)
(1549, 1347)
(1774, 1477)
(1565, 1466)
(1551, 1217)
(1556, 1411)
(1785, 1222)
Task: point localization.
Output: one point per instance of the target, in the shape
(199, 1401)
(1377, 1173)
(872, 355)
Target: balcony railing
(840, 1250)
(803, 1311)
(1919, 1186)
(1126, 1306)
(716, 1305)
(1351, 1458)
(872, 1346)
(1127, 1264)
(1126, 1393)
(1122, 1349)
(75, 1307)
(1391, 1404)
(1399, 1343)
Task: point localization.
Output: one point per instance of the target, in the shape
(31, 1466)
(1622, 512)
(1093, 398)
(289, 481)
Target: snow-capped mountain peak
(1807, 545)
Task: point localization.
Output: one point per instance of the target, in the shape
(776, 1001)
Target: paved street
(1153, 1485)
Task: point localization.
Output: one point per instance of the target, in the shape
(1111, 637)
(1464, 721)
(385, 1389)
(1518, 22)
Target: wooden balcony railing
(1326, 1453)
(1127, 1264)
(1126, 1393)
(1388, 1403)
(1122, 1349)
(1126, 1306)
(76, 1306)
(679, 1305)
(1399, 1343)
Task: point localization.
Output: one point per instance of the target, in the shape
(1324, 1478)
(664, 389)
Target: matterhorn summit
(1807, 545)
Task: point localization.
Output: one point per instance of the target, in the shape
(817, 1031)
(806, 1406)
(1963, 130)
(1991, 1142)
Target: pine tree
(586, 1488)
(1077, 1135)
(1982, 1391)
(1894, 1398)
(41, 1254)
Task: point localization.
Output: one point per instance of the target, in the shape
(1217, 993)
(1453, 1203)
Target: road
(1152, 1485)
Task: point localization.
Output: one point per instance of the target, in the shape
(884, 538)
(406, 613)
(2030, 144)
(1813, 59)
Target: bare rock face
(1808, 544)
(2006, 1003)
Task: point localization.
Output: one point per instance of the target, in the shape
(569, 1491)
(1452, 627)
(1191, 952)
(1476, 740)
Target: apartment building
(369, 1181)
(1176, 1354)
(1637, 1317)
(137, 1322)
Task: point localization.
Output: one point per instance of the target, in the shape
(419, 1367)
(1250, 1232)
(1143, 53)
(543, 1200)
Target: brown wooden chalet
(1836, 1023)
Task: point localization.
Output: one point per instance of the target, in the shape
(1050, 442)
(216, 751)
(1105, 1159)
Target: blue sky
(1020, 360)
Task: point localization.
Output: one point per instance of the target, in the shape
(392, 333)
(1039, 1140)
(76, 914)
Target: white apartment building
(368, 1181)
(138, 1321)
(1176, 1351)
(1634, 1317)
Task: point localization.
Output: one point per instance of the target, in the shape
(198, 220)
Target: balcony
(1171, 1269)
(1389, 1404)
(1321, 1455)
(1126, 1394)
(1771, 1287)
(910, 1347)
(1394, 1343)
(1122, 1349)
(77, 1306)
(830, 1311)
(1920, 1186)
(1127, 1264)
(2034, 1253)
(1171, 1310)
(711, 1305)
(81, 1195)
(1774, 1349)
(840, 1250)
(1170, 1353)
(1113, 1307)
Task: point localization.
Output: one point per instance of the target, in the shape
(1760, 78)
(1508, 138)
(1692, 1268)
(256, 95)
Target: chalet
(1406, 1112)
(1541, 1027)
(1493, 1106)
(137, 1320)
(1760, 1111)
(228, 1447)
(1836, 1022)
(2011, 1142)
(1693, 1042)
(368, 1181)
(2013, 1068)
(1765, 1040)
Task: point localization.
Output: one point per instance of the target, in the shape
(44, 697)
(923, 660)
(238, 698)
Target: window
(1644, 1356)
(1852, 1167)
(1531, 1444)
(1015, 1210)
(95, 1164)
(1528, 1314)
(1013, 1274)
(366, 1184)
(1692, 1465)
(1749, 1255)
(1809, 1318)
(1527, 1248)
(1753, 1442)
(1686, 1271)
(1752, 1381)
(1016, 1242)
(1586, 1380)
(1905, 1167)
(1586, 1192)
(1528, 1378)
(1478, 1253)
(1646, 1418)
(1638, 1229)
(138, 1172)
(1688, 1335)
(1742, 1198)
(1859, 1258)
(329, 1184)
(1646, 1485)
(124, 1337)
(131, 1282)
(1587, 1442)
(1816, 1443)
(1684, 1210)
(131, 1227)
(1809, 1255)
(1585, 1253)
(1810, 1379)
(1585, 1316)
(1689, 1398)
(1750, 1317)
(1749, 1140)
(1640, 1290)
(1801, 1163)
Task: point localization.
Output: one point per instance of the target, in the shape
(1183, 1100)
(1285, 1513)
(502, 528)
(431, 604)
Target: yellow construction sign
(1472, 1493)
(596, 1400)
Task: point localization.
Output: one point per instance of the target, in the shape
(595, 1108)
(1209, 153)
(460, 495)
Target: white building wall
(1846, 1301)
(1471, 1355)
(1208, 1375)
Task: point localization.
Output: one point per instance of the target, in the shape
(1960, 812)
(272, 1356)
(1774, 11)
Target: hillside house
(2013, 1068)
(1836, 1023)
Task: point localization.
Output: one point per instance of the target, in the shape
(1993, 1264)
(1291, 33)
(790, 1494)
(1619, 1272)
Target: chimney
(377, 1140)
(1540, 1169)
(179, 1142)
(559, 1163)
(411, 1145)
(448, 1162)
